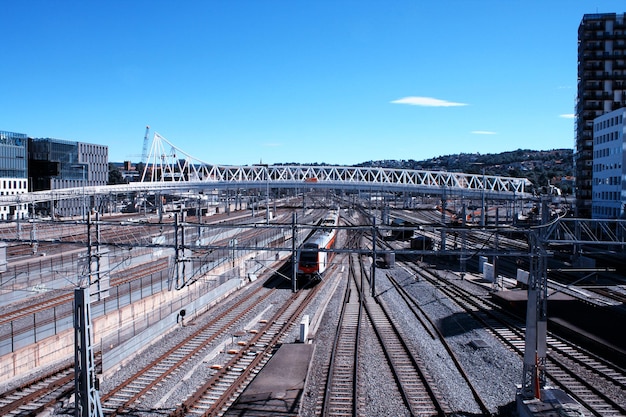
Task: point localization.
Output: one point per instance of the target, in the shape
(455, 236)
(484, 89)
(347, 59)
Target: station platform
(553, 403)
(574, 317)
(277, 389)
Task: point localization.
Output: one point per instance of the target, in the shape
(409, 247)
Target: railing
(177, 170)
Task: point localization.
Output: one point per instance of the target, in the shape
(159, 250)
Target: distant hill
(540, 167)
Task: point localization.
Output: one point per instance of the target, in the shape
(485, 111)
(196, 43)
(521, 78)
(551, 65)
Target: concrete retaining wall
(51, 350)
(60, 347)
(116, 357)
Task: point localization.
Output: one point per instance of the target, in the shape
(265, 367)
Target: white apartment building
(609, 166)
(13, 172)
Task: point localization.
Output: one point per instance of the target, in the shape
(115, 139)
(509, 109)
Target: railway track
(610, 293)
(59, 308)
(27, 398)
(218, 393)
(595, 383)
(414, 309)
(46, 304)
(432, 329)
(44, 392)
(417, 387)
(344, 386)
(340, 394)
(125, 397)
(38, 395)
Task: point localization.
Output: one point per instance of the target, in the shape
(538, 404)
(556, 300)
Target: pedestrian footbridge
(173, 170)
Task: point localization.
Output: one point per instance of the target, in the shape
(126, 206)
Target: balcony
(591, 25)
(594, 95)
(594, 46)
(592, 108)
(593, 65)
(591, 75)
(592, 85)
(587, 136)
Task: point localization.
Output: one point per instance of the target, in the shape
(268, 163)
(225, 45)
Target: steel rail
(513, 326)
(417, 387)
(271, 334)
(340, 396)
(123, 405)
(411, 303)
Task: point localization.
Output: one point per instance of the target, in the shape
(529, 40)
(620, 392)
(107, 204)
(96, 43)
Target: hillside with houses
(540, 167)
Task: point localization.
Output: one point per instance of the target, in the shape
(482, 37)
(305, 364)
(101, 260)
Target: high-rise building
(13, 172)
(56, 164)
(609, 167)
(601, 89)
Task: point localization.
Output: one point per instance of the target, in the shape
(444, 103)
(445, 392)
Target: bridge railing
(277, 174)
(220, 176)
(179, 166)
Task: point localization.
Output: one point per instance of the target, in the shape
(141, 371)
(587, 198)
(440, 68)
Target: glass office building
(56, 164)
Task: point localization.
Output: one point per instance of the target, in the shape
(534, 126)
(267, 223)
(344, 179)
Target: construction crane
(144, 154)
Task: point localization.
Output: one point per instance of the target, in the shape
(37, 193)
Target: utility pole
(534, 370)
(85, 380)
(87, 403)
(444, 206)
(84, 203)
(482, 207)
(86, 384)
(534, 378)
(83, 168)
(267, 194)
(373, 280)
(266, 171)
(294, 253)
(180, 252)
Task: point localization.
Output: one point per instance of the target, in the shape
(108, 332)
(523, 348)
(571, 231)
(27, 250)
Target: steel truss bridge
(169, 169)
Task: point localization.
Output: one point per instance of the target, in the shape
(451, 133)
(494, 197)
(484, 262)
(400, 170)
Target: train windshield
(309, 257)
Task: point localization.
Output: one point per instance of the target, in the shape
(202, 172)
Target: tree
(115, 176)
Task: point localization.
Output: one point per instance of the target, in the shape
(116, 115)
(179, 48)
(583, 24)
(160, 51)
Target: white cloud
(427, 102)
(483, 132)
(568, 116)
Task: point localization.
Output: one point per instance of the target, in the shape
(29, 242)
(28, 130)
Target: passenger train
(312, 262)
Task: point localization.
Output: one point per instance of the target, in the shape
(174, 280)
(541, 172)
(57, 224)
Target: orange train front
(313, 259)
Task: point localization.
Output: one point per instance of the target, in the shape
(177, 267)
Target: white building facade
(13, 172)
(609, 166)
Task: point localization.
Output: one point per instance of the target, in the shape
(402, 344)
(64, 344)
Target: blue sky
(340, 82)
